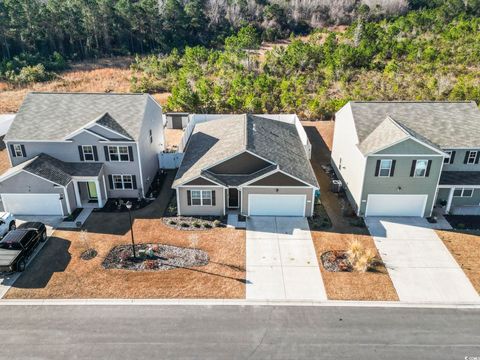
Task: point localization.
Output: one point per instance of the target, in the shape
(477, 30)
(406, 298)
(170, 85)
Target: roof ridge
(82, 93)
(412, 101)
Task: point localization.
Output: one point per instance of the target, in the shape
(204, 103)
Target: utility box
(336, 186)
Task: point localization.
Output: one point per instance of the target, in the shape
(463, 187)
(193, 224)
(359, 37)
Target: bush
(216, 223)
(361, 259)
(30, 74)
(196, 224)
(172, 222)
(207, 226)
(185, 225)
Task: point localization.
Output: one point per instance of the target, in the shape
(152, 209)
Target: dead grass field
(105, 75)
(373, 286)
(58, 271)
(465, 248)
(4, 161)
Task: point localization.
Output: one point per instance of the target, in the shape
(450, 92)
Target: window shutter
(110, 181)
(189, 197)
(107, 155)
(213, 198)
(130, 153)
(80, 153)
(392, 170)
(412, 169)
(12, 151)
(95, 153)
(478, 157)
(24, 153)
(377, 168)
(452, 157)
(134, 181)
(429, 165)
(467, 154)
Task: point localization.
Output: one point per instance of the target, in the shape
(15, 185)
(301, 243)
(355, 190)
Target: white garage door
(32, 204)
(276, 205)
(396, 205)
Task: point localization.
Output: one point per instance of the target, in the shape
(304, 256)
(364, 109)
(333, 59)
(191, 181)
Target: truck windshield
(10, 245)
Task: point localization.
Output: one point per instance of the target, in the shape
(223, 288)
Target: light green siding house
(409, 158)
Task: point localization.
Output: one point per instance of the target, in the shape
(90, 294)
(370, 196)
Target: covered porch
(458, 193)
(90, 187)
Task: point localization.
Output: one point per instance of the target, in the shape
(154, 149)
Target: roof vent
(254, 128)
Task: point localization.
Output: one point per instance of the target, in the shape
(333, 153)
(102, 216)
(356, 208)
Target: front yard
(59, 271)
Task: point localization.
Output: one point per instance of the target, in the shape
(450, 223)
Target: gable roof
(54, 116)
(440, 124)
(215, 141)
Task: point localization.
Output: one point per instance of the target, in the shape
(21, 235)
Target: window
(472, 155)
(151, 136)
(17, 149)
(448, 160)
(385, 168)
(122, 182)
(201, 197)
(88, 153)
(118, 153)
(421, 168)
(465, 192)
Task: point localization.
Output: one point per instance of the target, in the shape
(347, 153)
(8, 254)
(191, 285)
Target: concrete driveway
(281, 260)
(420, 266)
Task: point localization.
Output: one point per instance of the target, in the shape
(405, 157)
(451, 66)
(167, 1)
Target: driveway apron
(281, 260)
(420, 266)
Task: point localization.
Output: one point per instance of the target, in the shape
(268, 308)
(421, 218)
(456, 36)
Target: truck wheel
(43, 238)
(12, 226)
(21, 265)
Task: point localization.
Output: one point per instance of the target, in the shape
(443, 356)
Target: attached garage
(276, 205)
(396, 205)
(32, 204)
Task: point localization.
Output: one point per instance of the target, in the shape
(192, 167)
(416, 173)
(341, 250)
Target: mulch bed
(191, 223)
(73, 216)
(464, 222)
(155, 257)
(336, 261)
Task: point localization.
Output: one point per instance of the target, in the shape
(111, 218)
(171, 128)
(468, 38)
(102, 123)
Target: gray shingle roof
(443, 124)
(53, 116)
(215, 141)
(460, 178)
(60, 172)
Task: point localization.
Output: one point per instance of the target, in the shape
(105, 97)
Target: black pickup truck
(18, 245)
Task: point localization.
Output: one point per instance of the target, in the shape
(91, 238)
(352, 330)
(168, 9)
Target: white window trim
(201, 198)
(117, 147)
(470, 157)
(17, 148)
(93, 153)
(122, 177)
(463, 191)
(449, 159)
(389, 168)
(426, 167)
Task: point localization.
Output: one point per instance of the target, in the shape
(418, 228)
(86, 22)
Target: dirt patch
(4, 161)
(465, 248)
(172, 139)
(371, 285)
(59, 272)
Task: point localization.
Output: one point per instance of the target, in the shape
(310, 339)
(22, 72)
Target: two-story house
(405, 158)
(71, 150)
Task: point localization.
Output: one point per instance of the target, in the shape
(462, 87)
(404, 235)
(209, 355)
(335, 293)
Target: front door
(233, 198)
(92, 190)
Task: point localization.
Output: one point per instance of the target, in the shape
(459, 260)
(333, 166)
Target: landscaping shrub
(196, 224)
(360, 258)
(216, 223)
(207, 226)
(185, 225)
(171, 222)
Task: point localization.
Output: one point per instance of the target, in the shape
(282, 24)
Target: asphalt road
(237, 332)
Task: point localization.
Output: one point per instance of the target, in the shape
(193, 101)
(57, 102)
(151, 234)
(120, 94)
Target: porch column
(99, 194)
(450, 198)
(77, 194)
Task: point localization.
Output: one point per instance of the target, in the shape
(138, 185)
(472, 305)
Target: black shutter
(213, 198)
(107, 155)
(477, 157)
(467, 154)
(377, 168)
(189, 197)
(24, 154)
(452, 157)
(134, 181)
(130, 153)
(110, 181)
(12, 150)
(392, 170)
(80, 153)
(95, 153)
(412, 169)
(429, 165)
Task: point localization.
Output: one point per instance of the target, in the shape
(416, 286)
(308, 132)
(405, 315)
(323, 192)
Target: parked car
(7, 223)
(17, 246)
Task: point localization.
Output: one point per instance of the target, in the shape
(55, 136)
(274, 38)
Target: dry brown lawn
(465, 248)
(58, 271)
(373, 286)
(173, 138)
(4, 161)
(105, 75)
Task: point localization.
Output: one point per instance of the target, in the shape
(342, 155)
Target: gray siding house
(248, 163)
(407, 158)
(70, 150)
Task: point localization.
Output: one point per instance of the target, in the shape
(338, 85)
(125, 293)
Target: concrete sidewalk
(281, 260)
(420, 266)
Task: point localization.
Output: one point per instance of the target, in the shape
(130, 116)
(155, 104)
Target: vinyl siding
(458, 164)
(187, 210)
